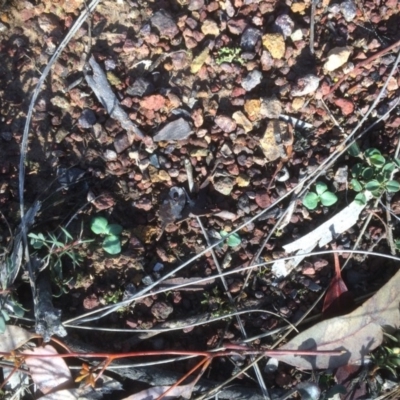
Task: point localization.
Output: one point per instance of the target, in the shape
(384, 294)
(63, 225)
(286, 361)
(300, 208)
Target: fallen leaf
(48, 372)
(13, 338)
(356, 334)
(337, 298)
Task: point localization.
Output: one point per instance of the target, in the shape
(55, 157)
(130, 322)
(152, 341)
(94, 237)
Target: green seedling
(112, 241)
(375, 174)
(388, 356)
(321, 195)
(228, 55)
(233, 240)
(57, 247)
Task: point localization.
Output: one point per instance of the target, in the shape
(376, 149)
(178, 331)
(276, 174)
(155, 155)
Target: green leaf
(377, 160)
(233, 240)
(112, 244)
(37, 241)
(320, 187)
(354, 150)
(67, 234)
(5, 315)
(114, 229)
(372, 185)
(367, 173)
(371, 152)
(328, 198)
(392, 186)
(99, 225)
(361, 199)
(388, 169)
(356, 185)
(311, 200)
(57, 269)
(2, 324)
(357, 169)
(18, 310)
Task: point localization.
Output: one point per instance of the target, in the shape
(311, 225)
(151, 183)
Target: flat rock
(271, 141)
(175, 130)
(224, 185)
(165, 24)
(225, 123)
(210, 27)
(242, 121)
(270, 107)
(306, 85)
(275, 44)
(337, 57)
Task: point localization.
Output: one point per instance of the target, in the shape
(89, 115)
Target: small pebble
(87, 119)
(249, 39)
(284, 24)
(349, 10)
(252, 80)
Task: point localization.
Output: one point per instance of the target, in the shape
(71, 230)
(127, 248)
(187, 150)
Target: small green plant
(57, 247)
(113, 296)
(388, 357)
(228, 55)
(233, 240)
(112, 241)
(321, 194)
(375, 173)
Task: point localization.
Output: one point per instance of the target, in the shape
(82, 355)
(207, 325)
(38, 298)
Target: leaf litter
(356, 334)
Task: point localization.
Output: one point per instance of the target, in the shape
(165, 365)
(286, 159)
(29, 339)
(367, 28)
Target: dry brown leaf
(356, 334)
(50, 372)
(13, 338)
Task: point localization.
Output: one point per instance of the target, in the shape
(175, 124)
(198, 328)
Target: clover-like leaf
(99, 225)
(37, 241)
(377, 160)
(356, 185)
(371, 152)
(320, 187)
(354, 150)
(328, 198)
(357, 169)
(311, 200)
(112, 244)
(388, 169)
(392, 186)
(367, 173)
(361, 199)
(373, 185)
(114, 229)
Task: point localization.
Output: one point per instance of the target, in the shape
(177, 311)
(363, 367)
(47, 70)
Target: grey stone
(349, 10)
(175, 130)
(252, 80)
(284, 24)
(195, 5)
(87, 119)
(224, 186)
(141, 87)
(165, 24)
(249, 39)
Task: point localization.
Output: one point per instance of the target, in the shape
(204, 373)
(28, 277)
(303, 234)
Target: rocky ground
(220, 108)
